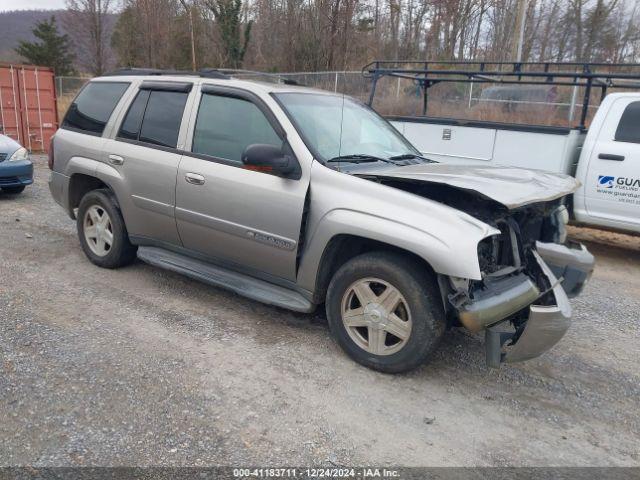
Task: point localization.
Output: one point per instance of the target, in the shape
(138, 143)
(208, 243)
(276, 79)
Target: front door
(246, 219)
(612, 189)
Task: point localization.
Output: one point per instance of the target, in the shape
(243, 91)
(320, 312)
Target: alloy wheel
(98, 230)
(376, 316)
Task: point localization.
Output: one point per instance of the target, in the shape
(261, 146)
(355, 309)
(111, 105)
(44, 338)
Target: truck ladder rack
(586, 75)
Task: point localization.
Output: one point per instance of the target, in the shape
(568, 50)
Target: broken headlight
(500, 254)
(488, 251)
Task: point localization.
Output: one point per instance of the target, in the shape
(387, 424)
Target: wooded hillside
(308, 35)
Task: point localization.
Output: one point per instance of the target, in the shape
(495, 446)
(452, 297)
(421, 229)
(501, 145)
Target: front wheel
(102, 232)
(385, 311)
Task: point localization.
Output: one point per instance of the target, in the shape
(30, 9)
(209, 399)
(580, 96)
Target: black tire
(121, 252)
(421, 293)
(14, 190)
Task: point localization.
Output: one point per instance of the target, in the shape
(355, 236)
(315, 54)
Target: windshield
(336, 126)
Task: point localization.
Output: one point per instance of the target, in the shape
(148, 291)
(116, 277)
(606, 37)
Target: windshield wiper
(410, 156)
(358, 158)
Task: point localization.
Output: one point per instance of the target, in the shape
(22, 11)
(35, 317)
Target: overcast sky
(30, 5)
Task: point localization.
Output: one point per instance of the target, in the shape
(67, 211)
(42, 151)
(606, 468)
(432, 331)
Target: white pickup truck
(605, 158)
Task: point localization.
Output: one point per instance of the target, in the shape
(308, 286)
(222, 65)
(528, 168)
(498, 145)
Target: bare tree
(297, 35)
(89, 26)
(189, 9)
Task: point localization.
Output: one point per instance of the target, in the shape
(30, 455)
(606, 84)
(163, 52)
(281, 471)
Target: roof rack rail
(272, 75)
(218, 73)
(204, 73)
(587, 75)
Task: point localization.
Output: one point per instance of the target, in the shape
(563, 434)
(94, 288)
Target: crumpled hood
(8, 145)
(510, 186)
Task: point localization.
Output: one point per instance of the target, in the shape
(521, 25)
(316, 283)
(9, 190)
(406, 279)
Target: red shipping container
(28, 111)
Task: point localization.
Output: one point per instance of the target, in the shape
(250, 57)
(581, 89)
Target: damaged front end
(528, 271)
(522, 300)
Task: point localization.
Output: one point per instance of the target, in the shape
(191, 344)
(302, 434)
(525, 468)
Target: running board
(244, 285)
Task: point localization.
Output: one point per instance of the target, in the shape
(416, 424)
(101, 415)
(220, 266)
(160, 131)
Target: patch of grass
(63, 104)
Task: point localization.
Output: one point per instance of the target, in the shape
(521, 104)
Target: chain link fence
(351, 83)
(395, 96)
(66, 90)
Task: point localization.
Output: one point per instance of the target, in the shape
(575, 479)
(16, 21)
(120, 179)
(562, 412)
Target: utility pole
(189, 10)
(518, 31)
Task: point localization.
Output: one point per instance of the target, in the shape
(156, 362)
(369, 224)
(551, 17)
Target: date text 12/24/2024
(315, 473)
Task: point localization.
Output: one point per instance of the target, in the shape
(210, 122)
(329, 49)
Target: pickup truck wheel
(385, 311)
(102, 232)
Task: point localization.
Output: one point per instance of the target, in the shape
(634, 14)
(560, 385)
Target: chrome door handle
(116, 159)
(194, 178)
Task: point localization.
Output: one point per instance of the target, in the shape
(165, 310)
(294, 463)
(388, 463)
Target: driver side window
(628, 129)
(225, 126)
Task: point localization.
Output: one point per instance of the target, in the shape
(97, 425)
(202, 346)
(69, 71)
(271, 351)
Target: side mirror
(270, 159)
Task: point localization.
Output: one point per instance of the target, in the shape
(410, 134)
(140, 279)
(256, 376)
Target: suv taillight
(51, 154)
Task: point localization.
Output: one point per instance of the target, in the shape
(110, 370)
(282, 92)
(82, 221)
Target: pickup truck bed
(554, 149)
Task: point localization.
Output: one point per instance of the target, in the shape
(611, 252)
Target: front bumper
(573, 264)
(545, 326)
(16, 174)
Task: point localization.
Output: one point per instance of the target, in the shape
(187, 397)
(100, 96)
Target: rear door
(146, 155)
(612, 187)
(246, 219)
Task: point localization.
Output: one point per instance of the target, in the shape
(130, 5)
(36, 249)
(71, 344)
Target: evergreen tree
(50, 50)
(228, 15)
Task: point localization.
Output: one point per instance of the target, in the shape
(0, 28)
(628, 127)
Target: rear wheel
(385, 311)
(102, 231)
(14, 190)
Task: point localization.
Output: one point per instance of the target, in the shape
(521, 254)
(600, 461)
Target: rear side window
(227, 125)
(131, 126)
(155, 117)
(90, 111)
(629, 126)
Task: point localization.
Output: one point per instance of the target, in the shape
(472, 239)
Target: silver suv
(297, 197)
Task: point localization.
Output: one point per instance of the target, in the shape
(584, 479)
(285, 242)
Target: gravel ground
(139, 366)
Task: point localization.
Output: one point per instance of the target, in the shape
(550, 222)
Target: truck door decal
(620, 189)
